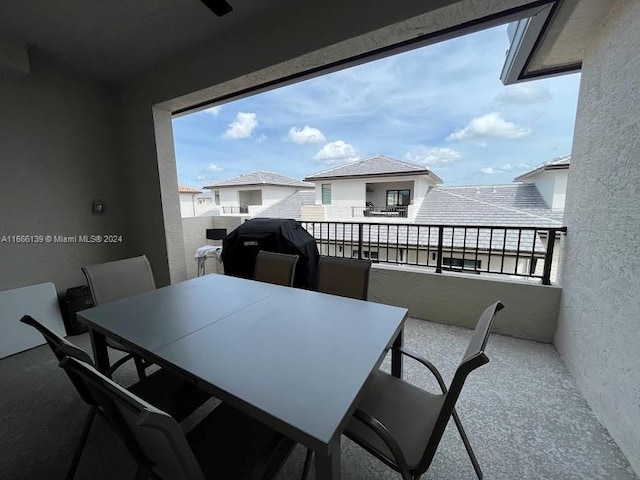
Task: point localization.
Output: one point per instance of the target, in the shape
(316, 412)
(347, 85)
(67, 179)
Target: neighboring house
(251, 193)
(551, 181)
(375, 189)
(536, 202)
(188, 201)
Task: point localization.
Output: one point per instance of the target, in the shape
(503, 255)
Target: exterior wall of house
(59, 152)
(531, 309)
(353, 193)
(229, 197)
(427, 259)
(552, 185)
(188, 205)
(344, 193)
(272, 194)
(256, 198)
(599, 324)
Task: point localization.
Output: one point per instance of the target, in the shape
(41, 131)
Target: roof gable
(260, 178)
(561, 163)
(374, 166)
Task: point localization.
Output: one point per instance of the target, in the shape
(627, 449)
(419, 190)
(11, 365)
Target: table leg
(396, 357)
(100, 354)
(328, 461)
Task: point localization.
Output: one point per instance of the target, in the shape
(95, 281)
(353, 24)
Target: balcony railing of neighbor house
(526, 252)
(235, 210)
(400, 212)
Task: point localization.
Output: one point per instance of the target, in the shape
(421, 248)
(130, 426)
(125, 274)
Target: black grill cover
(240, 248)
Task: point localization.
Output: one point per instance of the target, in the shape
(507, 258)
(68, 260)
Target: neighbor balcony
(377, 212)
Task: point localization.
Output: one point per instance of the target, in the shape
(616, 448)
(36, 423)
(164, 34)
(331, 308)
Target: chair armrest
(426, 363)
(384, 434)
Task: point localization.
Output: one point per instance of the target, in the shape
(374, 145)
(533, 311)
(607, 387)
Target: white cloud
(242, 127)
(261, 138)
(213, 110)
(209, 172)
(491, 125)
(505, 168)
(305, 135)
(434, 157)
(524, 94)
(337, 151)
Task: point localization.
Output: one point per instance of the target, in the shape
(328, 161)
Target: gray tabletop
(295, 359)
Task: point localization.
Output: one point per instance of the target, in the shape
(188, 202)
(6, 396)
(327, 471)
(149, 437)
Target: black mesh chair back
(347, 277)
(277, 268)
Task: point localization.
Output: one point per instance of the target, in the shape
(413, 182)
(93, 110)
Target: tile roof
(289, 207)
(185, 189)
(506, 205)
(560, 163)
(374, 166)
(260, 178)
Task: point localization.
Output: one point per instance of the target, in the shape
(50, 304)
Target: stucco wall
(456, 299)
(599, 325)
(188, 205)
(59, 152)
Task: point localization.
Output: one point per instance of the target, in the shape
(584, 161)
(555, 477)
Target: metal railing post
(548, 257)
(439, 251)
(360, 235)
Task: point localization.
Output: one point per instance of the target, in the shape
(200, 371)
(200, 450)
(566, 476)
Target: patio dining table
(294, 359)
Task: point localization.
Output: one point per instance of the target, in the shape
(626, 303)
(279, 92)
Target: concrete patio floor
(523, 413)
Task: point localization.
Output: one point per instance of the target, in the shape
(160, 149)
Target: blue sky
(441, 106)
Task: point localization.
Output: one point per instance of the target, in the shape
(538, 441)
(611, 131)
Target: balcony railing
(526, 252)
(235, 210)
(398, 212)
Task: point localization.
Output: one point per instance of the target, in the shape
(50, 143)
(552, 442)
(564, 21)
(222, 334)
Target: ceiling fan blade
(219, 7)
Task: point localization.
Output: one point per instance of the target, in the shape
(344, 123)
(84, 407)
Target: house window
(459, 263)
(217, 197)
(398, 198)
(326, 194)
(366, 254)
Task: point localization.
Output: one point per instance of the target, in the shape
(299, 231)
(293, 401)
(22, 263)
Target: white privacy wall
(599, 324)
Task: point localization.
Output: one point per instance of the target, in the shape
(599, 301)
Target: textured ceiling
(112, 39)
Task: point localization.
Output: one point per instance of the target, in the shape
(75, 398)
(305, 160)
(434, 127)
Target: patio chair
(402, 424)
(116, 280)
(277, 268)
(164, 390)
(347, 277)
(227, 444)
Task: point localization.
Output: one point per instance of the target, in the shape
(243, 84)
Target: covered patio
(87, 112)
